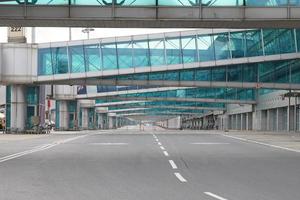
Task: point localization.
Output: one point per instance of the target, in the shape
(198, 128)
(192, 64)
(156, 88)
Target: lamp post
(87, 31)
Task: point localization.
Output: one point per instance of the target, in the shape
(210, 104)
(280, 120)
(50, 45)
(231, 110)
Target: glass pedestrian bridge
(157, 2)
(265, 58)
(151, 13)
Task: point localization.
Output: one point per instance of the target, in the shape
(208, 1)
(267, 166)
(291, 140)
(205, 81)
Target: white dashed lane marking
(180, 177)
(214, 196)
(173, 165)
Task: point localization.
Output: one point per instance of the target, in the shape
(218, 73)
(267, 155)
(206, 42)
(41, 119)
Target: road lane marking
(109, 144)
(214, 196)
(159, 143)
(156, 140)
(162, 148)
(173, 165)
(38, 148)
(209, 143)
(166, 153)
(180, 177)
(261, 143)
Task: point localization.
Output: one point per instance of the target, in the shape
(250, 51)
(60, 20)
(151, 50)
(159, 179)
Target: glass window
(44, 62)
(250, 72)
(171, 76)
(219, 74)
(253, 43)
(282, 71)
(287, 40)
(295, 71)
(92, 2)
(235, 73)
(221, 44)
(77, 63)
(266, 72)
(156, 76)
(125, 55)
(295, 2)
(189, 50)
(203, 75)
(60, 60)
(237, 44)
(187, 75)
(92, 57)
(177, 2)
(157, 52)
(266, 2)
(271, 41)
(109, 56)
(141, 54)
(173, 51)
(222, 3)
(298, 39)
(206, 48)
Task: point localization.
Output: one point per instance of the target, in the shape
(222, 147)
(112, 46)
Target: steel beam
(149, 16)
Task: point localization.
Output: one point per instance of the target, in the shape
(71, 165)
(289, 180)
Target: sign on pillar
(16, 35)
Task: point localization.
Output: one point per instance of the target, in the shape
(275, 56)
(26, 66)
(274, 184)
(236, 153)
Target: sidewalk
(288, 140)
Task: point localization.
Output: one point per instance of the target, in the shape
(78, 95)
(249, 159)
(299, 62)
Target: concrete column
(18, 108)
(85, 118)
(277, 119)
(268, 120)
(63, 115)
(111, 123)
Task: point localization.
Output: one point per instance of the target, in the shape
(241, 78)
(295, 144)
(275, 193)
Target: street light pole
(87, 31)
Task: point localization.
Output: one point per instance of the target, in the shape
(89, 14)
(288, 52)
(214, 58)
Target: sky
(62, 34)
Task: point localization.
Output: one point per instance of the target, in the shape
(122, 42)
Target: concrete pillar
(247, 121)
(277, 119)
(112, 122)
(62, 115)
(18, 110)
(85, 118)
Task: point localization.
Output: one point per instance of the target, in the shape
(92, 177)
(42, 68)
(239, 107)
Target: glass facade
(219, 93)
(179, 3)
(286, 71)
(167, 51)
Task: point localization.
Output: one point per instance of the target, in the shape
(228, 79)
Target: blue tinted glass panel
(221, 44)
(234, 73)
(219, 74)
(177, 2)
(189, 49)
(92, 57)
(187, 75)
(44, 62)
(157, 52)
(250, 73)
(141, 56)
(237, 44)
(295, 71)
(266, 2)
(287, 40)
(222, 3)
(173, 51)
(298, 39)
(109, 56)
(77, 63)
(253, 43)
(60, 60)
(271, 41)
(206, 48)
(125, 55)
(203, 75)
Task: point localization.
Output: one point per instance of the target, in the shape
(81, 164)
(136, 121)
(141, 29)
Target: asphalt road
(116, 166)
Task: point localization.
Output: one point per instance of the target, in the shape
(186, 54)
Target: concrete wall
(271, 113)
